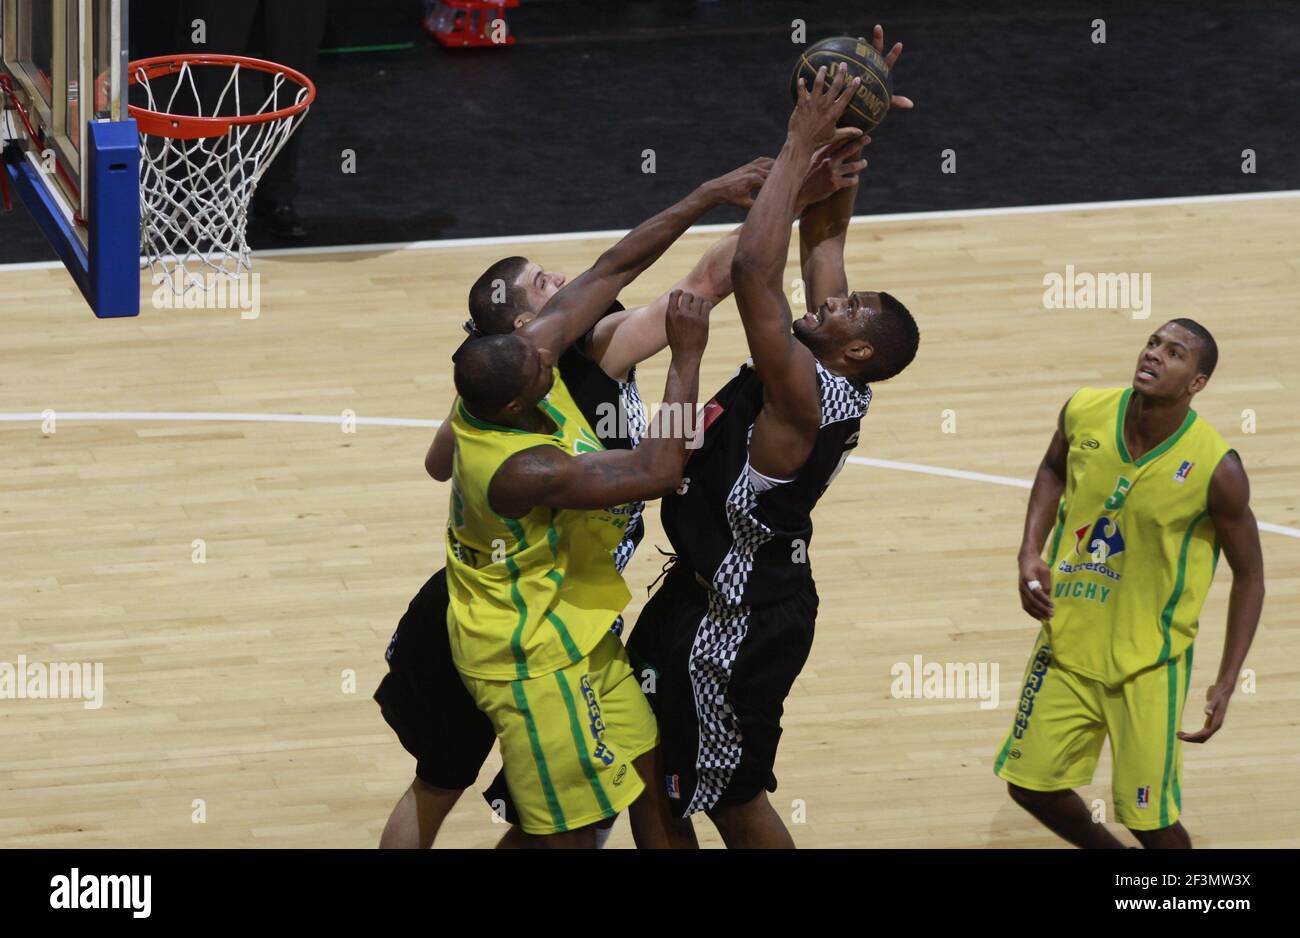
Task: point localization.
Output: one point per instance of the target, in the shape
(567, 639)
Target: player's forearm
(710, 278)
(581, 303)
(664, 449)
(765, 237)
(1245, 604)
(643, 333)
(1044, 500)
(643, 245)
(827, 220)
(823, 231)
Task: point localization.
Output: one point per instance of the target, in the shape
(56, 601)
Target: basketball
(871, 103)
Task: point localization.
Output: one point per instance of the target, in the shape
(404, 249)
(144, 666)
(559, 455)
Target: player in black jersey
(422, 697)
(721, 642)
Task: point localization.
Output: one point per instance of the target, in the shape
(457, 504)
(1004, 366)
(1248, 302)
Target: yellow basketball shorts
(568, 739)
(1062, 719)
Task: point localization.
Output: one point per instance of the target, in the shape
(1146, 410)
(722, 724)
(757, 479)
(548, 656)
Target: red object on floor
(473, 23)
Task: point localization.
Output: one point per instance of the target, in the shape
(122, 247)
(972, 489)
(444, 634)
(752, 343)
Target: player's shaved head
(497, 298)
(491, 371)
(1207, 350)
(894, 338)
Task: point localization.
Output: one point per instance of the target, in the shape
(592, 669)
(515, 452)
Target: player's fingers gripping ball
(871, 102)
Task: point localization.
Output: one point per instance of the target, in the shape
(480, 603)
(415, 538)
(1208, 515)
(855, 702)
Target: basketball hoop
(200, 165)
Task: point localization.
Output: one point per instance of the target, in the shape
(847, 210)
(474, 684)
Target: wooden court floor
(237, 706)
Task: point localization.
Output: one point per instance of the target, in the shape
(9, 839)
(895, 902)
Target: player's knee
(584, 838)
(1029, 799)
(738, 816)
(1173, 837)
(423, 790)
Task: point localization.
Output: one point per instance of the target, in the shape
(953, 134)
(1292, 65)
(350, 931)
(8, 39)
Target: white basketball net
(195, 194)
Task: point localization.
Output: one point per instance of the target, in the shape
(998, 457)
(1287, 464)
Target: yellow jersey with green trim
(534, 594)
(1134, 549)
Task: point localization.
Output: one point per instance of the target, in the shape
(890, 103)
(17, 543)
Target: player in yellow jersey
(532, 583)
(1140, 494)
(537, 510)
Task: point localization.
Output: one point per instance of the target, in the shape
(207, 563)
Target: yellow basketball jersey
(534, 594)
(1134, 549)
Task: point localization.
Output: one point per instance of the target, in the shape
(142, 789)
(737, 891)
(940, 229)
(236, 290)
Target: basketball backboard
(70, 149)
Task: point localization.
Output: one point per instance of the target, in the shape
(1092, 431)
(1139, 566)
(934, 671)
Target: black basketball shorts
(424, 700)
(717, 677)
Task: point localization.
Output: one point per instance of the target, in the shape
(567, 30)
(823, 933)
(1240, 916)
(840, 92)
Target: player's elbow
(614, 262)
(712, 284)
(742, 264)
(437, 471)
(663, 475)
(747, 272)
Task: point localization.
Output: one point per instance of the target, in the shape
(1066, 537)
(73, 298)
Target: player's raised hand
(878, 40)
(738, 186)
(834, 167)
(1216, 708)
(687, 323)
(1035, 588)
(819, 107)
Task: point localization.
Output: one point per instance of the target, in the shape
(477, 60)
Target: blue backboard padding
(114, 218)
(108, 275)
(56, 228)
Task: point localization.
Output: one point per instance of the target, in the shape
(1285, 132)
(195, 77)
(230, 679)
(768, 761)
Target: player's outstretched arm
(823, 225)
(1238, 533)
(1044, 499)
(548, 476)
(571, 312)
(791, 412)
(625, 339)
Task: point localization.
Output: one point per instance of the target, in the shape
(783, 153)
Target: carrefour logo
(1099, 542)
(1102, 542)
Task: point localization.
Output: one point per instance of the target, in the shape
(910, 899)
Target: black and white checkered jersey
(753, 546)
(615, 412)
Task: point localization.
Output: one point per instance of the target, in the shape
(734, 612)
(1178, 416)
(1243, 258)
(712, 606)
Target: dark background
(547, 136)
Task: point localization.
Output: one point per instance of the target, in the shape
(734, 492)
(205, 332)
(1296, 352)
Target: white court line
(388, 247)
(949, 473)
(142, 415)
(220, 417)
(856, 220)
